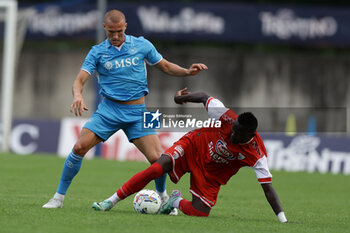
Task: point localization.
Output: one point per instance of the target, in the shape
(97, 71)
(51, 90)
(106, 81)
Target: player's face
(115, 32)
(240, 134)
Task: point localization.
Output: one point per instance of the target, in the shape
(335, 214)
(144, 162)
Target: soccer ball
(147, 202)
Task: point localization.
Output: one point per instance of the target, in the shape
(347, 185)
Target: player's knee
(166, 162)
(152, 160)
(79, 149)
(154, 156)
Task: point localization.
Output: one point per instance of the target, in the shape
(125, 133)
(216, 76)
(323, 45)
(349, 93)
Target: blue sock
(70, 168)
(160, 183)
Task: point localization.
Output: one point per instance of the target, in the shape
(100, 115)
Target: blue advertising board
(319, 153)
(217, 22)
(32, 136)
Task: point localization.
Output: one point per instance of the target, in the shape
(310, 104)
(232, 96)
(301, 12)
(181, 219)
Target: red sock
(187, 208)
(140, 180)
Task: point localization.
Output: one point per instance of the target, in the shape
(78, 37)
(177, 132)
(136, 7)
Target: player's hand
(180, 93)
(78, 106)
(196, 68)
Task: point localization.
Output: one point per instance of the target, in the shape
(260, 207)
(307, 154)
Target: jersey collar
(127, 41)
(246, 142)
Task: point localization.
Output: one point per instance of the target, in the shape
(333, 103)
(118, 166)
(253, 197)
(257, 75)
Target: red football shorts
(186, 158)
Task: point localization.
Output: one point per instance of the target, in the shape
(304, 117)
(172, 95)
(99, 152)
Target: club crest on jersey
(132, 50)
(108, 65)
(222, 150)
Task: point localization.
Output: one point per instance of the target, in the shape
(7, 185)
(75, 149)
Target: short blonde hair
(115, 16)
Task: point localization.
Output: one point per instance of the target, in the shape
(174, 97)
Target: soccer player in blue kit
(120, 61)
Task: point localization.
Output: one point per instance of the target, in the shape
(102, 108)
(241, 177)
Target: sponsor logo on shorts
(178, 152)
(176, 155)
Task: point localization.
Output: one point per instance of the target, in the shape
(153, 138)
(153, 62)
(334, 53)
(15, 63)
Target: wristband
(282, 217)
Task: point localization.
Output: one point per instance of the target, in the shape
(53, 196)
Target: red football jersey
(212, 159)
(221, 158)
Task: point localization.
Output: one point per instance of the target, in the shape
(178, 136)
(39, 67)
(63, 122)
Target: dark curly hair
(248, 120)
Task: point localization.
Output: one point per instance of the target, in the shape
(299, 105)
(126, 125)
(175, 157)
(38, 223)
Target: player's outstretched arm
(274, 201)
(178, 71)
(183, 96)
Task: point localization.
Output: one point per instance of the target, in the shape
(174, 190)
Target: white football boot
(55, 202)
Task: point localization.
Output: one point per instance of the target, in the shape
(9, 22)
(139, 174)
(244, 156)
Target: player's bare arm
(274, 201)
(78, 105)
(183, 96)
(178, 71)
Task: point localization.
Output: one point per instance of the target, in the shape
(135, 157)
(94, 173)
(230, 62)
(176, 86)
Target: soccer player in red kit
(212, 156)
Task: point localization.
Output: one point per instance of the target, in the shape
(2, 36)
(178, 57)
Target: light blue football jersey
(122, 74)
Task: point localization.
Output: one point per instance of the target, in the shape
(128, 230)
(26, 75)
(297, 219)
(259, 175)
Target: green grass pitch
(319, 202)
